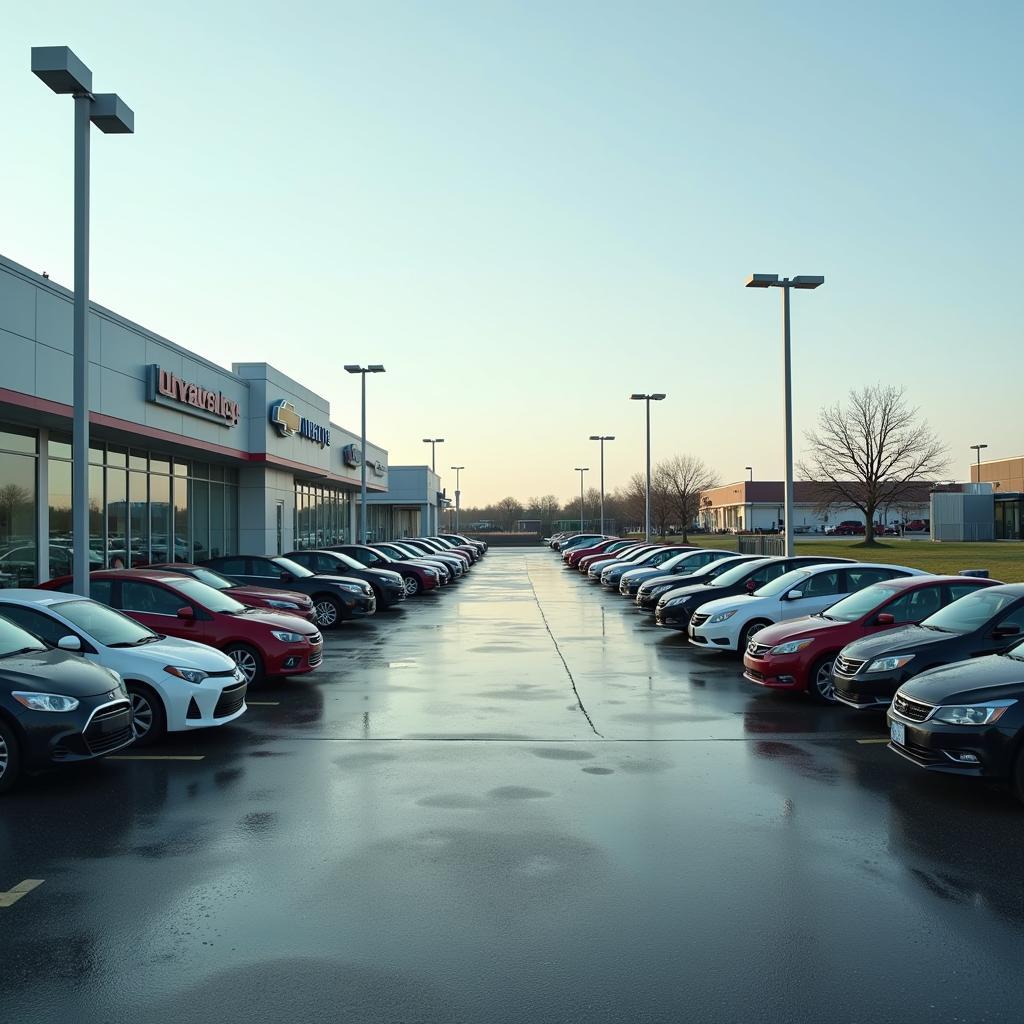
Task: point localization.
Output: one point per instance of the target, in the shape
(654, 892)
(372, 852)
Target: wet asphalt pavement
(514, 801)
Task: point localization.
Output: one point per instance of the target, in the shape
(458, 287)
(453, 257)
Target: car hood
(693, 590)
(342, 579)
(171, 650)
(641, 573)
(739, 601)
(273, 619)
(995, 677)
(387, 576)
(893, 640)
(797, 629)
(259, 594)
(54, 672)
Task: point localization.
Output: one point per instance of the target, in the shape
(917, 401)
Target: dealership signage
(352, 455)
(168, 389)
(290, 424)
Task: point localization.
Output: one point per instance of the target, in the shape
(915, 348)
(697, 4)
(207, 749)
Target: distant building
(1007, 479)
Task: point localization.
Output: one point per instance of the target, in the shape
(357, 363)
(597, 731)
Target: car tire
(148, 714)
(326, 611)
(248, 660)
(412, 585)
(820, 687)
(748, 633)
(10, 758)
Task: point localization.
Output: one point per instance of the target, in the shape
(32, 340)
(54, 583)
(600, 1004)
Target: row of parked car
(941, 655)
(174, 647)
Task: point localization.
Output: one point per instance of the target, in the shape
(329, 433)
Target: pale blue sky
(528, 210)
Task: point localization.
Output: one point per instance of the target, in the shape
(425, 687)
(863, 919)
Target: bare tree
(662, 504)
(874, 451)
(508, 511)
(12, 498)
(685, 477)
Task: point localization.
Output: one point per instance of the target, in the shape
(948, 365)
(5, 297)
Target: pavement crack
(558, 651)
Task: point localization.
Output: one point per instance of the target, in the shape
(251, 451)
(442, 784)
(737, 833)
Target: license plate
(898, 733)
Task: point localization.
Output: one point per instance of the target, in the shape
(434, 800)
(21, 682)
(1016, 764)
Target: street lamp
(581, 470)
(433, 442)
(786, 283)
(458, 495)
(750, 470)
(602, 438)
(977, 448)
(65, 74)
(647, 494)
(363, 371)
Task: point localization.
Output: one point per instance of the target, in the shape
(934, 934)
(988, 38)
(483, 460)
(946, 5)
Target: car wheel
(820, 685)
(248, 660)
(748, 633)
(411, 585)
(10, 758)
(326, 612)
(148, 715)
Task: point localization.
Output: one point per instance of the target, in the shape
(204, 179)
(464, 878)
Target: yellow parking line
(881, 739)
(156, 757)
(9, 898)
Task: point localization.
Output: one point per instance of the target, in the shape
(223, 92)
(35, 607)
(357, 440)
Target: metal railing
(760, 544)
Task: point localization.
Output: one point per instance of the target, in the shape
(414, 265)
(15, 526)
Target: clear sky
(528, 210)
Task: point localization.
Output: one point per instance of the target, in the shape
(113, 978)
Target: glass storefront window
(59, 447)
(161, 549)
(182, 526)
(17, 513)
(117, 517)
(201, 519)
(217, 521)
(14, 440)
(138, 518)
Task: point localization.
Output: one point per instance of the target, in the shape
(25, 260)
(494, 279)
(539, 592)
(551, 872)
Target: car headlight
(722, 616)
(791, 647)
(285, 637)
(890, 664)
(45, 701)
(972, 714)
(671, 602)
(663, 588)
(190, 675)
(352, 588)
(290, 605)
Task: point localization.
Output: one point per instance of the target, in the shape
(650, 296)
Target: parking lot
(513, 800)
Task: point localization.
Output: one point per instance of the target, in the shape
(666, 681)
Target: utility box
(967, 515)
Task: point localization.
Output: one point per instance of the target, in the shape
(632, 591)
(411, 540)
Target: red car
(587, 561)
(252, 597)
(799, 654)
(573, 555)
(262, 643)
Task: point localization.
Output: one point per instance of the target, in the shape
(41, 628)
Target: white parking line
(9, 898)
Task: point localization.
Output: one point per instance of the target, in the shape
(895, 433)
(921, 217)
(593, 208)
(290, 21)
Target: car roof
(31, 595)
(155, 575)
(826, 566)
(927, 579)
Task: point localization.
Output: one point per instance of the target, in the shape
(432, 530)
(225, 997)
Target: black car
(335, 598)
(391, 550)
(650, 591)
(456, 561)
(868, 672)
(966, 718)
(416, 578)
(55, 707)
(458, 538)
(388, 586)
(675, 608)
(683, 564)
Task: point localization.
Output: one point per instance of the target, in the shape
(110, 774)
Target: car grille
(315, 658)
(853, 698)
(699, 619)
(922, 755)
(109, 729)
(756, 650)
(911, 709)
(231, 700)
(752, 673)
(848, 666)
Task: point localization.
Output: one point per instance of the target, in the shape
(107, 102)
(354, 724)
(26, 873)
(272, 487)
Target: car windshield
(970, 612)
(792, 580)
(856, 606)
(346, 560)
(211, 578)
(15, 640)
(211, 599)
(287, 565)
(391, 552)
(735, 575)
(677, 560)
(104, 625)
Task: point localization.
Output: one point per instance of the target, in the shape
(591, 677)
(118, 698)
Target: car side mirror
(885, 619)
(1007, 630)
(69, 643)
(185, 612)
(751, 586)
(794, 595)
(286, 577)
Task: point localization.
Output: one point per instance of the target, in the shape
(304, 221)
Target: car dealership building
(187, 460)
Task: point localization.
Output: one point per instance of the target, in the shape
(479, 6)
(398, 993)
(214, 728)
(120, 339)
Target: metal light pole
(786, 283)
(602, 438)
(581, 470)
(977, 448)
(64, 73)
(750, 470)
(433, 442)
(363, 371)
(658, 397)
(458, 495)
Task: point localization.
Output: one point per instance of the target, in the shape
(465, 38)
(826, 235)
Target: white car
(730, 623)
(174, 685)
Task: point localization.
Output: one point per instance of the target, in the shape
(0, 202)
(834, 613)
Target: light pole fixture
(750, 470)
(657, 397)
(803, 281)
(977, 448)
(65, 74)
(581, 470)
(433, 442)
(602, 438)
(458, 495)
(363, 371)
